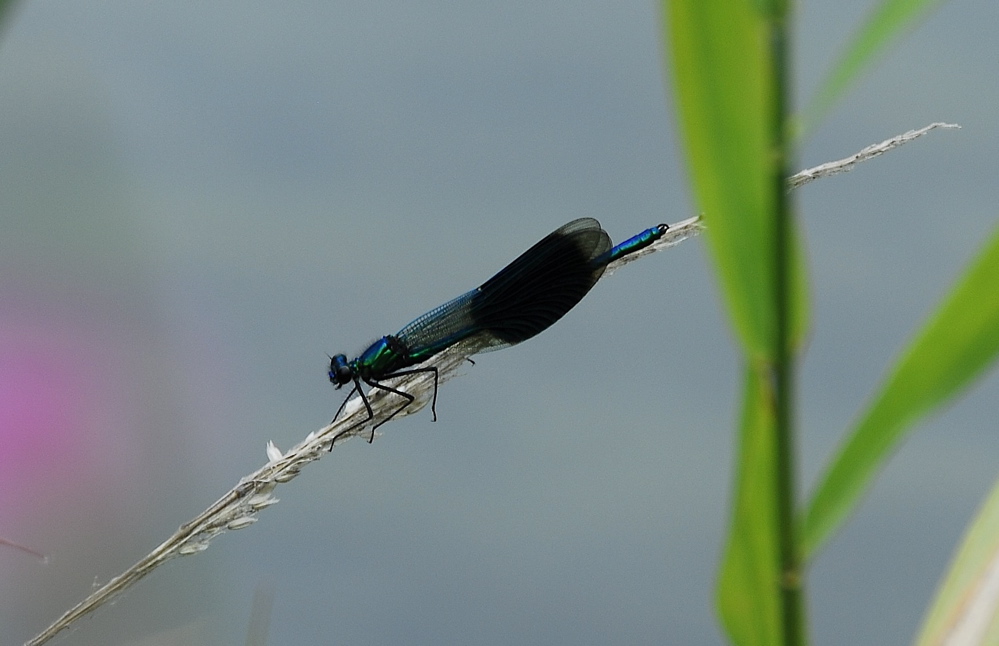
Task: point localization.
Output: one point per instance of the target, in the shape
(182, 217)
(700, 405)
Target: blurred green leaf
(725, 95)
(725, 65)
(885, 23)
(955, 347)
(965, 610)
(748, 598)
(770, 8)
(6, 7)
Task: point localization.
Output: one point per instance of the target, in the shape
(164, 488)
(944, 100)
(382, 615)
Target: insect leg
(367, 406)
(402, 373)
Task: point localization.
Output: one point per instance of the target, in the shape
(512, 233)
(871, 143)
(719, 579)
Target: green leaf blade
(966, 610)
(884, 24)
(724, 95)
(954, 348)
(748, 599)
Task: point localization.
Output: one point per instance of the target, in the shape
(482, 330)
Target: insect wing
(539, 287)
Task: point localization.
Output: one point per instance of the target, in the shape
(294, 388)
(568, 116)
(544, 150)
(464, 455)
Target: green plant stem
(782, 370)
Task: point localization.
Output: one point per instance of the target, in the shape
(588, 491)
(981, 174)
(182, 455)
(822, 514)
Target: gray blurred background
(199, 202)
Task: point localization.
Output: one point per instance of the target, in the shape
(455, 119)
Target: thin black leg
(375, 384)
(344, 404)
(367, 406)
(403, 373)
(409, 400)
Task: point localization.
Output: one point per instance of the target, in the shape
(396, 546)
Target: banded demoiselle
(522, 300)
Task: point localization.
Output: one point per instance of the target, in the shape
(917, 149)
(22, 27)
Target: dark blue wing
(545, 282)
(522, 300)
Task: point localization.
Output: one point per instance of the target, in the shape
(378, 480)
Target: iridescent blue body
(631, 245)
(522, 300)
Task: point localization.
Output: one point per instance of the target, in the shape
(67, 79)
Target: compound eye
(340, 371)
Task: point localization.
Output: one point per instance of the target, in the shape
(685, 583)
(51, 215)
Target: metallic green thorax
(385, 355)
